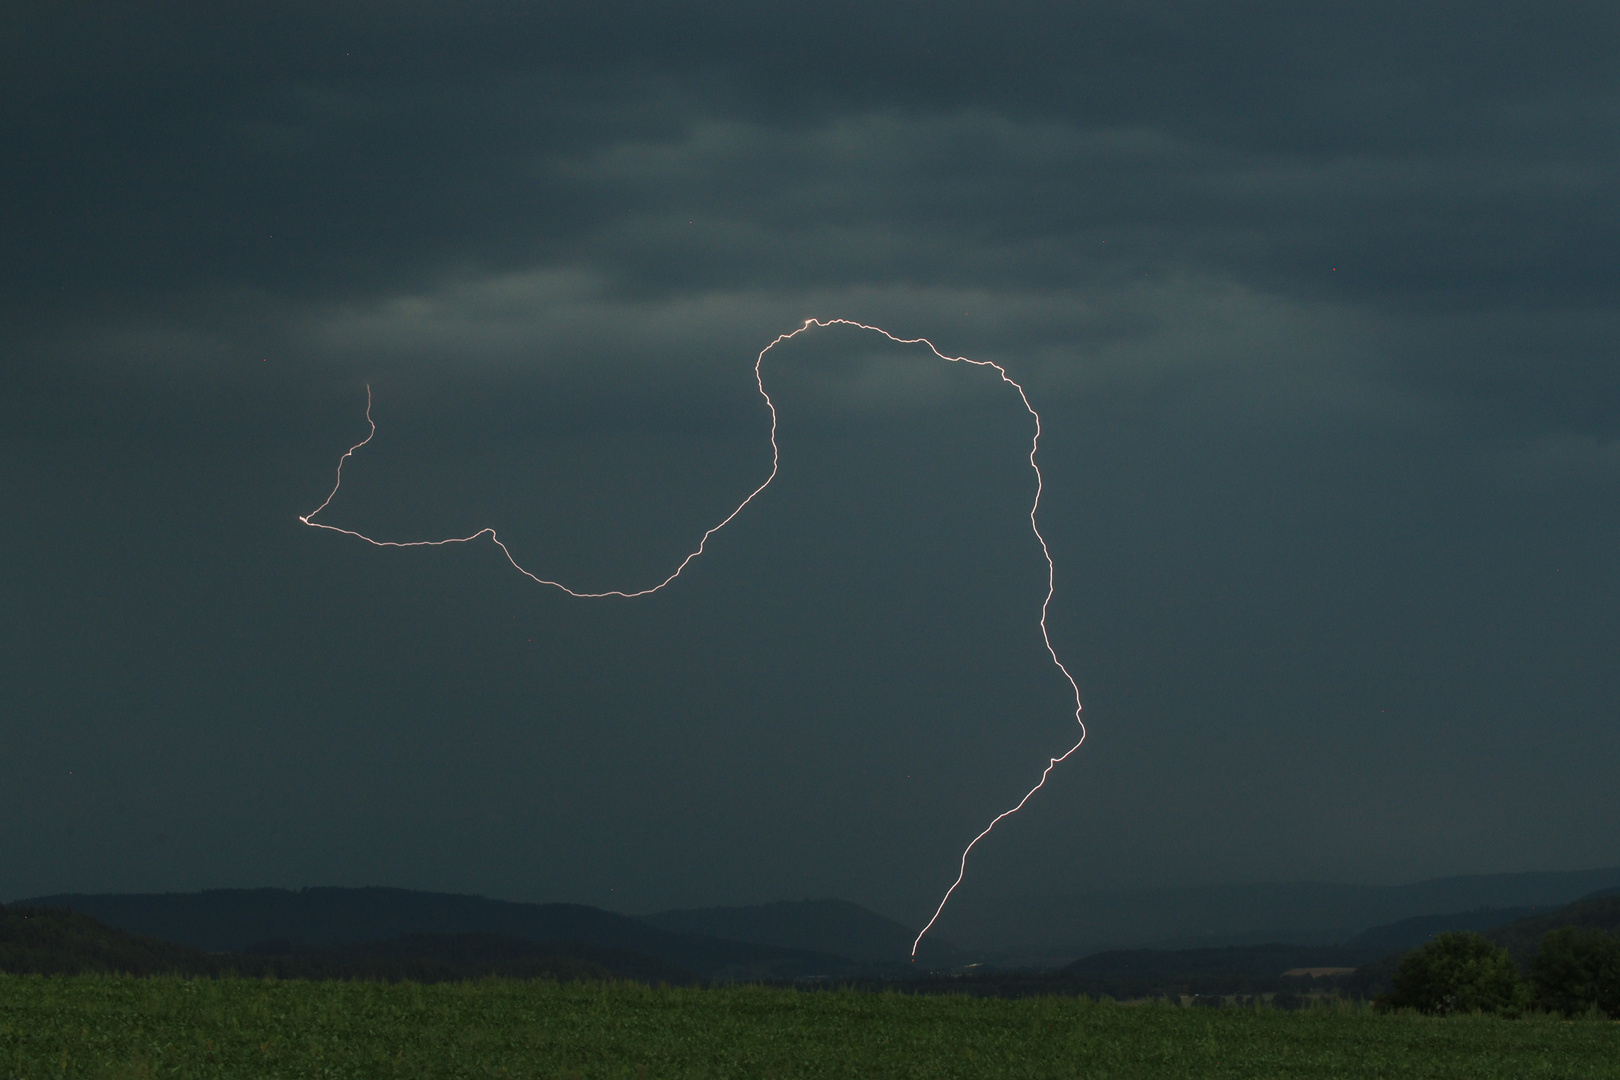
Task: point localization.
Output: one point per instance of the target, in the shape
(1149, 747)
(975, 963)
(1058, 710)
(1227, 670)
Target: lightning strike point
(776, 456)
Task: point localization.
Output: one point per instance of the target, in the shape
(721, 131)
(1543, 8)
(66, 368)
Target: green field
(119, 1026)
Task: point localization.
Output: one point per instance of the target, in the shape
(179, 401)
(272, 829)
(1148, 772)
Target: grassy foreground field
(97, 1026)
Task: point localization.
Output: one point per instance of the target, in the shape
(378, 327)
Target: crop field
(110, 1026)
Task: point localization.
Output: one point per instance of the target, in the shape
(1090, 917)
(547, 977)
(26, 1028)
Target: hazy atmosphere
(1319, 307)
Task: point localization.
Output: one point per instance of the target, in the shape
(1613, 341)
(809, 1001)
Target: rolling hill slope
(51, 941)
(231, 920)
(1523, 936)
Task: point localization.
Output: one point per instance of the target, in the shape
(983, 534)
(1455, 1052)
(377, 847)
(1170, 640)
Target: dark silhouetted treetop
(1458, 973)
(1577, 969)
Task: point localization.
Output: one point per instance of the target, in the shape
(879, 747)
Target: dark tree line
(1575, 972)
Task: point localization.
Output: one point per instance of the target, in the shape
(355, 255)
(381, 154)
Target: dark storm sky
(1318, 302)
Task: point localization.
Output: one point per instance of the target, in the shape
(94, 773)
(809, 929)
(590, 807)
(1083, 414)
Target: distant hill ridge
(1410, 933)
(785, 940)
(58, 941)
(46, 941)
(52, 941)
(231, 920)
(1309, 913)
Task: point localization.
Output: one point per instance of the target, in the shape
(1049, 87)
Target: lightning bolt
(776, 457)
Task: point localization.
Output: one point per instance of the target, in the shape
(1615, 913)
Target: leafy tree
(1457, 973)
(1576, 969)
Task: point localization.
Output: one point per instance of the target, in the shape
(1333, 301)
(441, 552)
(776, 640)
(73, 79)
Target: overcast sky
(1318, 304)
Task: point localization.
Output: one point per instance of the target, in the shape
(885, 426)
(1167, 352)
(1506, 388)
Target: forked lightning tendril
(776, 455)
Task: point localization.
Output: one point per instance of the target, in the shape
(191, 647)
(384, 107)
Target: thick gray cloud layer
(1319, 308)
